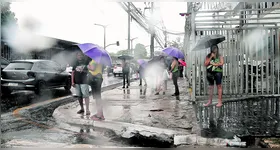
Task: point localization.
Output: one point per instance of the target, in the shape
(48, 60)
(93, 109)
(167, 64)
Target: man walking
(79, 81)
(125, 70)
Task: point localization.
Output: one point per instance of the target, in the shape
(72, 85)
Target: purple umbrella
(96, 53)
(174, 52)
(141, 62)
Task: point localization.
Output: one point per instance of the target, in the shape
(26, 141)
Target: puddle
(246, 117)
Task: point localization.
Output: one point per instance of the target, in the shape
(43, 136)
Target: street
(210, 74)
(25, 98)
(71, 134)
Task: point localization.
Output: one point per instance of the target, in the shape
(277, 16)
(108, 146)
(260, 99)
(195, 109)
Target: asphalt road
(25, 98)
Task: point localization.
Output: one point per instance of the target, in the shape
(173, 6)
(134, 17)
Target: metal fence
(251, 58)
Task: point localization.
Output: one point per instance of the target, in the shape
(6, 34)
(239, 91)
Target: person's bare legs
(210, 90)
(80, 99)
(220, 92)
(87, 106)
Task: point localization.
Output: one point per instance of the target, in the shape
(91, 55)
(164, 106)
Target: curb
(130, 131)
(34, 113)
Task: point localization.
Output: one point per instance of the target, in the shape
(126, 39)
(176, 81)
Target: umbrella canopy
(174, 52)
(208, 41)
(96, 53)
(182, 62)
(126, 57)
(141, 62)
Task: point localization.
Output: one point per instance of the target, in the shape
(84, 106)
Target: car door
(60, 77)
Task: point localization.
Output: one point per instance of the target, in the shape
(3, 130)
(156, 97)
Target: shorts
(82, 90)
(212, 77)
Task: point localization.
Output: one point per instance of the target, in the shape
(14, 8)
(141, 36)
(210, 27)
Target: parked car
(36, 75)
(4, 63)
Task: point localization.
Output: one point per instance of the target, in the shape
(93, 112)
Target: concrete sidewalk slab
(136, 111)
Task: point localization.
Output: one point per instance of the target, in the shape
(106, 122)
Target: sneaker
(157, 93)
(123, 87)
(80, 111)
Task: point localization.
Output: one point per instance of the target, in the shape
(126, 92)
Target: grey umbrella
(126, 57)
(208, 41)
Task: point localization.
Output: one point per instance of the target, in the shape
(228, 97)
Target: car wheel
(41, 86)
(67, 86)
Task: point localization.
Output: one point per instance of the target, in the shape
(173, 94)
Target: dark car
(4, 63)
(36, 75)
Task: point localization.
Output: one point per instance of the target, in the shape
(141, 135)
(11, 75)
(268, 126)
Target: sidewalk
(137, 110)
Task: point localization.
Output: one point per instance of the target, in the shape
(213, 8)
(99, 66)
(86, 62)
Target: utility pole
(152, 33)
(131, 40)
(128, 35)
(104, 28)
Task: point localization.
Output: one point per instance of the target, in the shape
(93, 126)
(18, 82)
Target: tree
(176, 43)
(122, 52)
(140, 51)
(7, 16)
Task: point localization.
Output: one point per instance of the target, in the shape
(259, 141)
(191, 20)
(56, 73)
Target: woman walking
(214, 62)
(95, 80)
(175, 74)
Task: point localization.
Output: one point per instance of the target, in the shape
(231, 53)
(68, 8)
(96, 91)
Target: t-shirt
(98, 68)
(80, 71)
(126, 68)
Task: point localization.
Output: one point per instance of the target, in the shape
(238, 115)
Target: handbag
(91, 78)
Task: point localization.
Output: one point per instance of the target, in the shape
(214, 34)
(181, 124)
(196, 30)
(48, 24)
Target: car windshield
(19, 66)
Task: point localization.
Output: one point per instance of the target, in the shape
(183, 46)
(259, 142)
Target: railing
(251, 54)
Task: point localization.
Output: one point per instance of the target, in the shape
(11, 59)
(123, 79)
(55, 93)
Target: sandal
(96, 118)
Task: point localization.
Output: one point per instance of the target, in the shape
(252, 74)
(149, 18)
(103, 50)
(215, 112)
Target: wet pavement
(26, 133)
(244, 117)
(139, 105)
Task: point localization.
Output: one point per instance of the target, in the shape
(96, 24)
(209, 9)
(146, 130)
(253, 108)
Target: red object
(182, 62)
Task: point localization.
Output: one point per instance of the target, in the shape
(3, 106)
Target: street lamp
(117, 43)
(104, 27)
(131, 40)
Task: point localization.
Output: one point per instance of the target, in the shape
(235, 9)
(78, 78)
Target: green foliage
(122, 52)
(140, 51)
(7, 16)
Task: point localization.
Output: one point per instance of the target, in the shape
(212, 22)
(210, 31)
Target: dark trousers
(126, 76)
(175, 82)
(95, 85)
(181, 69)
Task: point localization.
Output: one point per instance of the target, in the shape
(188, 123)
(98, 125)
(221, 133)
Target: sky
(74, 20)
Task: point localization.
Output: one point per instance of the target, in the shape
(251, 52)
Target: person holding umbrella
(175, 74)
(214, 62)
(99, 58)
(174, 70)
(95, 81)
(125, 70)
